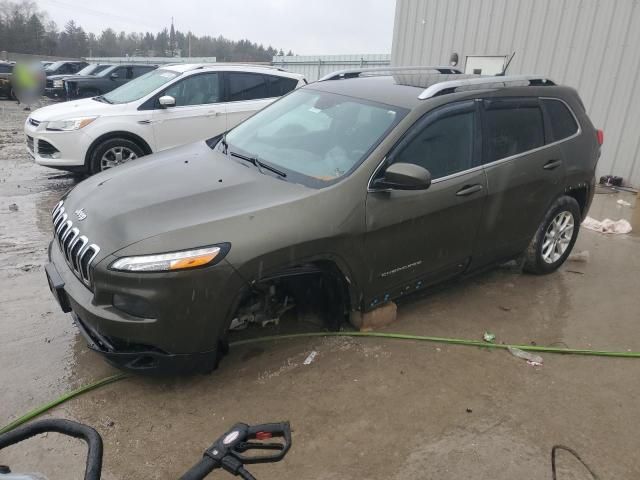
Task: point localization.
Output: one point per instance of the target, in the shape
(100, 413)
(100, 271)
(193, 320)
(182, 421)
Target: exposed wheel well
(318, 287)
(581, 195)
(118, 134)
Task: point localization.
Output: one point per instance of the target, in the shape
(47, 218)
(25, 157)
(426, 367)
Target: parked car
(64, 67)
(361, 190)
(6, 89)
(54, 87)
(103, 82)
(171, 106)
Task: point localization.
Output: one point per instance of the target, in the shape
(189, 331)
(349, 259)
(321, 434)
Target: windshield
(141, 86)
(319, 136)
(92, 69)
(53, 66)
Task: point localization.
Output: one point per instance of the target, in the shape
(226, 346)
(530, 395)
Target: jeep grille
(75, 247)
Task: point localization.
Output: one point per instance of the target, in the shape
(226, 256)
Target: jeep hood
(184, 193)
(86, 107)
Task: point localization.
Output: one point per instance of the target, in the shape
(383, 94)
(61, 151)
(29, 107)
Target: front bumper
(57, 149)
(187, 333)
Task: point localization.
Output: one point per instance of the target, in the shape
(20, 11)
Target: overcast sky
(304, 26)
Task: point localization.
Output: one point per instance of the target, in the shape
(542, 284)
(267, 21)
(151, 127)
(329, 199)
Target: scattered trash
(238, 324)
(531, 358)
(469, 410)
(489, 337)
(505, 308)
(607, 225)
(310, 358)
(624, 203)
(582, 256)
(13, 207)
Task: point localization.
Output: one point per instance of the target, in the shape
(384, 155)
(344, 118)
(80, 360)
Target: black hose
(65, 427)
(200, 470)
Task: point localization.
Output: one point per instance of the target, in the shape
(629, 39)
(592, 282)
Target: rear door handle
(551, 164)
(468, 190)
(213, 113)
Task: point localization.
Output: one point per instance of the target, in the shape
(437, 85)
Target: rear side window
(278, 86)
(444, 147)
(246, 86)
(563, 123)
(137, 71)
(511, 127)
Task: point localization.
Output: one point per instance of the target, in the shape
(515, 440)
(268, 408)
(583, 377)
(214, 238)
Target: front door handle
(551, 164)
(468, 190)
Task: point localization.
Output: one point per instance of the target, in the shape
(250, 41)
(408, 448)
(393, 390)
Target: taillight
(600, 135)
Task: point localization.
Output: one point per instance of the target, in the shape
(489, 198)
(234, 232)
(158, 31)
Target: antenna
(504, 70)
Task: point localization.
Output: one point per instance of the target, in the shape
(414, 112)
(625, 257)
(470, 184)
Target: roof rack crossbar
(497, 82)
(355, 72)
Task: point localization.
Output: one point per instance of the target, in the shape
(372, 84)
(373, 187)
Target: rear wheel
(555, 237)
(113, 152)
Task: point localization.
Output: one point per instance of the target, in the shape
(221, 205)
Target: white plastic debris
(607, 225)
(310, 358)
(531, 358)
(582, 256)
(624, 203)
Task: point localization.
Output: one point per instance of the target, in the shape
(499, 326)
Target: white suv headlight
(71, 124)
(166, 262)
(57, 84)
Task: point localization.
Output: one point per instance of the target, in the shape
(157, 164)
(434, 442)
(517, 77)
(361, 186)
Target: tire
(105, 155)
(542, 257)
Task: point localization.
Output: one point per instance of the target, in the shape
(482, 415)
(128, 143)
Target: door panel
(416, 238)
(419, 237)
(199, 112)
(522, 185)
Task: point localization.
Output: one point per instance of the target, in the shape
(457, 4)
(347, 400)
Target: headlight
(166, 262)
(57, 84)
(71, 124)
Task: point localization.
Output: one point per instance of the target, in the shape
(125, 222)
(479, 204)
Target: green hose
(396, 336)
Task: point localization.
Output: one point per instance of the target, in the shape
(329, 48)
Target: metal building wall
(591, 45)
(316, 66)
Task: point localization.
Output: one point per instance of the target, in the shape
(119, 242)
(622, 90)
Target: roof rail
(355, 72)
(483, 82)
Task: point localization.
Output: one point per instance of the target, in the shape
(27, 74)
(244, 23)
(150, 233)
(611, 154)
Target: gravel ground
(363, 408)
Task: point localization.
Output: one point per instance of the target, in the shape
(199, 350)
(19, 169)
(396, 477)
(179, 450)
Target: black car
(105, 81)
(6, 70)
(54, 87)
(65, 67)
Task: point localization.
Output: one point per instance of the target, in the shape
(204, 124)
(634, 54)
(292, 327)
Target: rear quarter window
(512, 127)
(278, 86)
(563, 123)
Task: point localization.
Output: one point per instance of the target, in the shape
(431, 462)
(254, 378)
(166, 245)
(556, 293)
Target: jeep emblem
(81, 214)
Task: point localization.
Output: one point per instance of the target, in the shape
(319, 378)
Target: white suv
(170, 106)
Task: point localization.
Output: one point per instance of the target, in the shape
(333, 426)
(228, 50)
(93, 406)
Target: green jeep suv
(350, 192)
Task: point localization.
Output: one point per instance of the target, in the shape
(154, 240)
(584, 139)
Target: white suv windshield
(318, 135)
(140, 87)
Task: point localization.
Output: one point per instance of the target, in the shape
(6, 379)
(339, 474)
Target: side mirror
(167, 101)
(404, 176)
(114, 76)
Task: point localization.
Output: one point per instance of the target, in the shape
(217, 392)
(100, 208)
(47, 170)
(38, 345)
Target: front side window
(124, 73)
(512, 127)
(443, 147)
(141, 86)
(278, 86)
(315, 137)
(138, 71)
(246, 86)
(201, 89)
(563, 124)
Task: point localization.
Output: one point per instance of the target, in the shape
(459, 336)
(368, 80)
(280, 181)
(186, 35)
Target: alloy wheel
(557, 237)
(116, 156)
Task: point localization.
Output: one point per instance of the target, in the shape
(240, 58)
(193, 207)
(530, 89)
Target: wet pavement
(364, 408)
